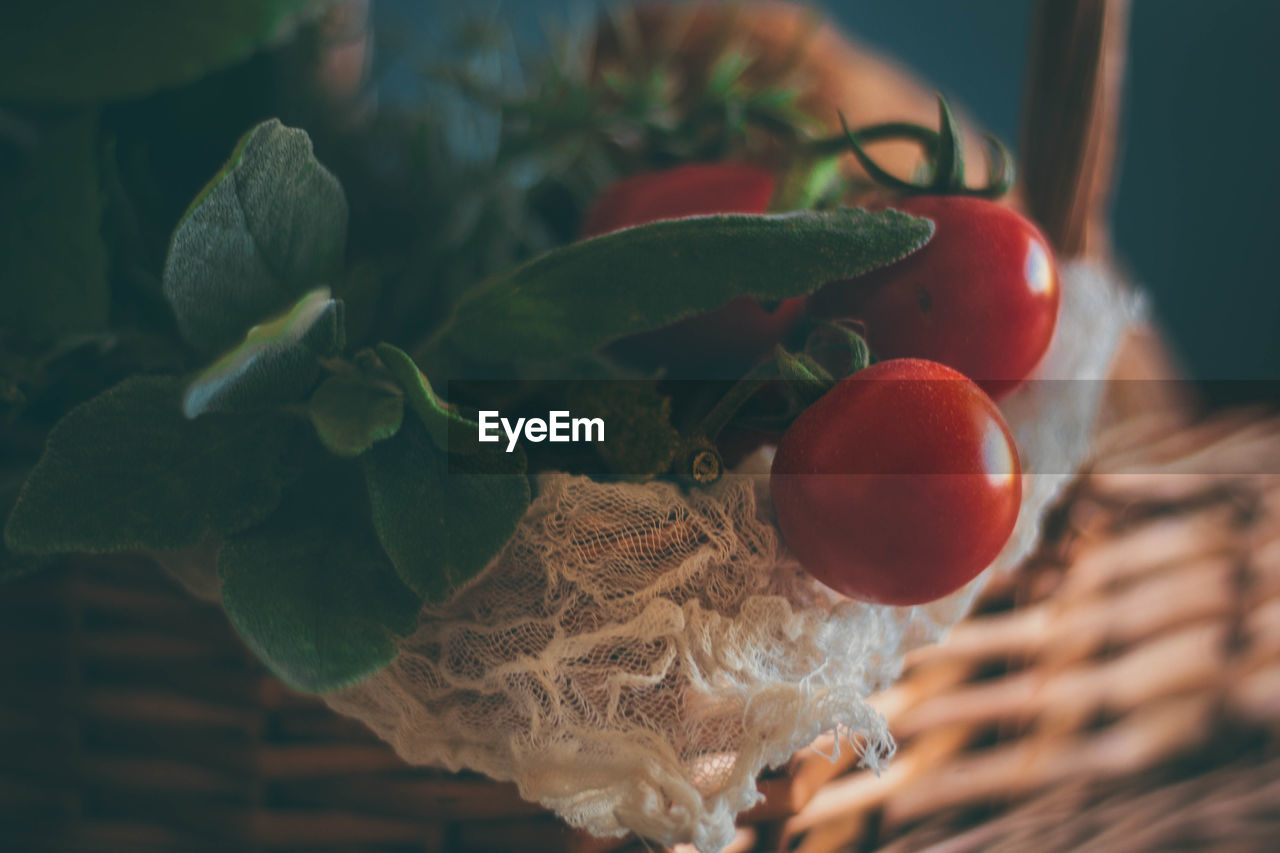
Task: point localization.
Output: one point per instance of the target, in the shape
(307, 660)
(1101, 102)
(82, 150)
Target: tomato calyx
(770, 397)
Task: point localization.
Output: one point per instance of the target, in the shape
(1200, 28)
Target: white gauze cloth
(638, 654)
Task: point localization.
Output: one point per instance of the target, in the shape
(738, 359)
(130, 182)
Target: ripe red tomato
(698, 189)
(733, 336)
(899, 485)
(982, 296)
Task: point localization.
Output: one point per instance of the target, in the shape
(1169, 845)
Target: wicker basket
(1122, 692)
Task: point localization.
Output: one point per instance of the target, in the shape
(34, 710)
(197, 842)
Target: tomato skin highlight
(732, 337)
(982, 296)
(898, 486)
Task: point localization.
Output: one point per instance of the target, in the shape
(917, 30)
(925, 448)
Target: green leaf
(275, 364)
(443, 517)
(839, 348)
(53, 263)
(311, 592)
(725, 73)
(126, 471)
(270, 227)
(641, 441)
(14, 566)
(809, 182)
(579, 297)
(351, 413)
(804, 375)
(81, 50)
(442, 422)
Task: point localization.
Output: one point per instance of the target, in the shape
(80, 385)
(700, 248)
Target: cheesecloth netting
(638, 654)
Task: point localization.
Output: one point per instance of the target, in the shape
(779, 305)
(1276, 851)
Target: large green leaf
(443, 517)
(574, 299)
(276, 363)
(88, 50)
(127, 471)
(270, 227)
(14, 566)
(53, 262)
(311, 592)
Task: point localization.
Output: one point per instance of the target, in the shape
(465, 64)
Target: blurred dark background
(1195, 206)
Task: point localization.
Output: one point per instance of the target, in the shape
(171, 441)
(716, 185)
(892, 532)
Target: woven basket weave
(1122, 692)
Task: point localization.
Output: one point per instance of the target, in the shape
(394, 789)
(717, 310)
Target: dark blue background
(1195, 208)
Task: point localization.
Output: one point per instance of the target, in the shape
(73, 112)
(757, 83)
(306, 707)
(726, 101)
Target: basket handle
(1071, 120)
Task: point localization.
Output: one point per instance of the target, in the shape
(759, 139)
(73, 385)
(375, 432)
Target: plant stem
(743, 390)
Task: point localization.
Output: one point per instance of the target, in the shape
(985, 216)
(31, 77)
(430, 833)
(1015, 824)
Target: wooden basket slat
(217, 749)
(1070, 120)
(332, 828)
(222, 681)
(441, 798)
(158, 775)
(540, 834)
(318, 723)
(162, 705)
(116, 837)
(324, 759)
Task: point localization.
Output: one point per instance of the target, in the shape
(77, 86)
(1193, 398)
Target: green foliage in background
(79, 51)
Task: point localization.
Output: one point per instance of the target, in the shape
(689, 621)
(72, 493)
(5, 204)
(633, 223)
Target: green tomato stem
(946, 155)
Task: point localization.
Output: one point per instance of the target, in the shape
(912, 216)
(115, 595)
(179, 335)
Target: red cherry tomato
(733, 336)
(899, 485)
(699, 189)
(982, 296)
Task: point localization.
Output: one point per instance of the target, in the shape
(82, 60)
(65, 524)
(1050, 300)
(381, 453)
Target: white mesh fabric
(638, 654)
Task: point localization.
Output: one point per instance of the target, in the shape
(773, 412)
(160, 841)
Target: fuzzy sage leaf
(14, 566)
(311, 592)
(574, 299)
(270, 227)
(126, 471)
(443, 517)
(275, 364)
